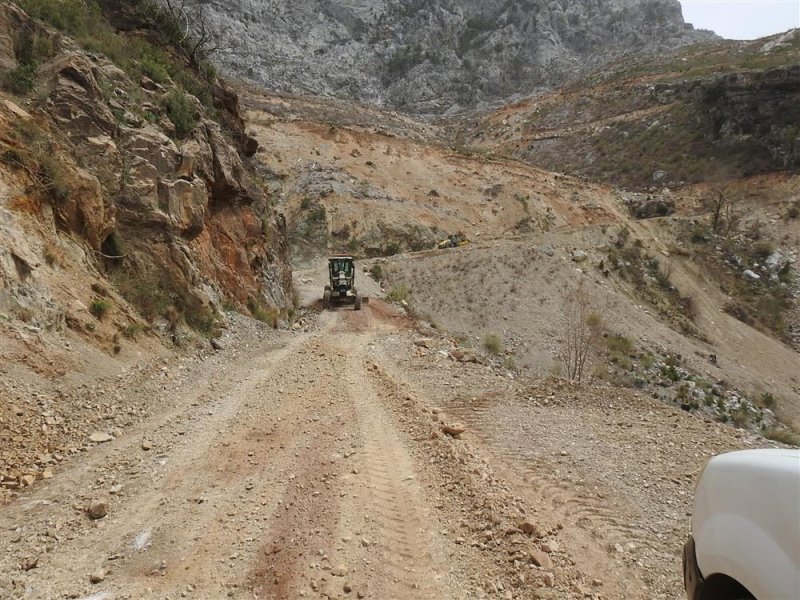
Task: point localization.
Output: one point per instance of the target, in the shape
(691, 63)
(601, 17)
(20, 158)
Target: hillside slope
(357, 183)
(710, 112)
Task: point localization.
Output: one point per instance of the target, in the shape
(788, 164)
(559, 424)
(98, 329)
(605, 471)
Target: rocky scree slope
(115, 172)
(428, 57)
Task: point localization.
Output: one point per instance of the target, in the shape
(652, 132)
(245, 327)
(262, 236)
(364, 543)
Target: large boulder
(76, 101)
(13, 21)
(186, 203)
(230, 182)
(85, 208)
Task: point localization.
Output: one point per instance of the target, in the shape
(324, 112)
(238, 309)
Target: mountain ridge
(434, 57)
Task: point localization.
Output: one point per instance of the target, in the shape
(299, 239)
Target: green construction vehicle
(341, 288)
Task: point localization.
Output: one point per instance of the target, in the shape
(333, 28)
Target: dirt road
(312, 465)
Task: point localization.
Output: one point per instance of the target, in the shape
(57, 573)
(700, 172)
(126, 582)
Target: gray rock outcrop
(429, 56)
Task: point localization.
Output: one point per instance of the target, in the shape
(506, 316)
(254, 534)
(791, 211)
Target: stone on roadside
(579, 256)
(97, 509)
(551, 546)
(751, 275)
(454, 429)
(147, 445)
(340, 571)
(540, 559)
(98, 576)
(100, 437)
(529, 528)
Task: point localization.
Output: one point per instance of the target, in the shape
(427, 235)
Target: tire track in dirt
(591, 512)
(390, 500)
(300, 527)
(591, 522)
(200, 512)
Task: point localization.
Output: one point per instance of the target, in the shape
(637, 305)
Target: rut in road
(594, 521)
(395, 501)
(354, 513)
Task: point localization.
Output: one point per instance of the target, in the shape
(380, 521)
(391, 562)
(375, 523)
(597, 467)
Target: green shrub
(268, 315)
(740, 417)
(670, 372)
(181, 112)
(783, 435)
(766, 400)
(623, 362)
(376, 271)
(154, 68)
(166, 55)
(99, 308)
(761, 250)
(75, 17)
(620, 345)
(37, 156)
(399, 293)
(700, 234)
(492, 343)
(146, 292)
(51, 175)
(20, 81)
(202, 319)
(391, 249)
(133, 330)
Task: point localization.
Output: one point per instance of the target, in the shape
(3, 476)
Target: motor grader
(341, 288)
(455, 240)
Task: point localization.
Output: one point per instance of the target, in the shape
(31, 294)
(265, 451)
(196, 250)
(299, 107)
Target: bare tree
(189, 24)
(582, 332)
(725, 215)
(716, 207)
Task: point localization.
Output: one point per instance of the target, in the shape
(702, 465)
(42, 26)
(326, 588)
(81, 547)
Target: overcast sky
(742, 19)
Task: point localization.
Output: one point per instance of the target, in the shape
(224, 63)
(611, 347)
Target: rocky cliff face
(432, 55)
(129, 186)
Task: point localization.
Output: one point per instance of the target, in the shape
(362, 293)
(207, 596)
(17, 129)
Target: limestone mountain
(429, 56)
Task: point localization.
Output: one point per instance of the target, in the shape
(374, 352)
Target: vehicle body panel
(746, 521)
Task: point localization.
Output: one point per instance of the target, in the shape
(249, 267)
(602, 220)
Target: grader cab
(341, 287)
